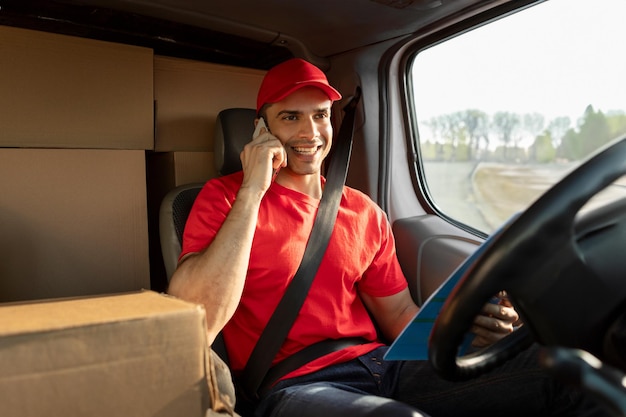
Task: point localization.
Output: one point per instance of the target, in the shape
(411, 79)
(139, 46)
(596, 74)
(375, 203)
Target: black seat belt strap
(289, 306)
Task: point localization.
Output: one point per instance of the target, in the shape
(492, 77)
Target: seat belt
(282, 319)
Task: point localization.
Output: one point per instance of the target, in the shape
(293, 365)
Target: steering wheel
(562, 297)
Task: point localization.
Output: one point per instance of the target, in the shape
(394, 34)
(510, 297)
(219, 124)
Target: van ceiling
(250, 33)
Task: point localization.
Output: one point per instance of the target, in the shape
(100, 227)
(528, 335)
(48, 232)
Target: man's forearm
(215, 277)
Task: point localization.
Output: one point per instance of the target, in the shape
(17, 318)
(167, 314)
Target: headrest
(233, 129)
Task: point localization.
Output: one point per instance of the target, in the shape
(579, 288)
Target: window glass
(506, 110)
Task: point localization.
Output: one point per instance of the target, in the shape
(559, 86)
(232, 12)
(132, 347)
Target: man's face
(301, 122)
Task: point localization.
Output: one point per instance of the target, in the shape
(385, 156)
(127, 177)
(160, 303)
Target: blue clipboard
(412, 343)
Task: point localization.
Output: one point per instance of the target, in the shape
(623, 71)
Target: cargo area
(91, 145)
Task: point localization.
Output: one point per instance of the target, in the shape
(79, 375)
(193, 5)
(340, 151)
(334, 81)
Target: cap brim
(332, 94)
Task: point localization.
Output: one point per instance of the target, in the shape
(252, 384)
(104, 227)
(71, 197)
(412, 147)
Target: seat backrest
(173, 214)
(233, 129)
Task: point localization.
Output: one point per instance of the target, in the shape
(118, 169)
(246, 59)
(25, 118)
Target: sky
(554, 58)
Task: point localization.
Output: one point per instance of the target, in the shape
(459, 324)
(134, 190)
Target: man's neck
(307, 184)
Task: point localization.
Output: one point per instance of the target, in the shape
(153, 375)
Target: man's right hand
(261, 159)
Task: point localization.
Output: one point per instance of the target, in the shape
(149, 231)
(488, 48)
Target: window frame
(425, 39)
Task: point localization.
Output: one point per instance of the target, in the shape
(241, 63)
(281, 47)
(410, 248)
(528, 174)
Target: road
(484, 195)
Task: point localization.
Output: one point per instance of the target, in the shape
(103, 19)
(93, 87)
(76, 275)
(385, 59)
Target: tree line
(506, 136)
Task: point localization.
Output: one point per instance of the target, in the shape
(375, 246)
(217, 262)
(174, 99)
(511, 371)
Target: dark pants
(369, 386)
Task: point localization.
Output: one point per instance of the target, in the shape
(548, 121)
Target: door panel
(429, 250)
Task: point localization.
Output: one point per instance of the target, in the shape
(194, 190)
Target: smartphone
(261, 124)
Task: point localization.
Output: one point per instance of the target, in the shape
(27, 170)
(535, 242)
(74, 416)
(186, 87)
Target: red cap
(289, 76)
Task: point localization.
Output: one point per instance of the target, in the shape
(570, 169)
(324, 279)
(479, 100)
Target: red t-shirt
(360, 257)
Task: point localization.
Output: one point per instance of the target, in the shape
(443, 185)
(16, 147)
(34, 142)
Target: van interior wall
(93, 135)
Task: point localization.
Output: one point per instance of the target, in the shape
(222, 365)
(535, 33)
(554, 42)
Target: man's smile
(306, 150)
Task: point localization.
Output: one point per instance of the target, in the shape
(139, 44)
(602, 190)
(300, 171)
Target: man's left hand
(496, 321)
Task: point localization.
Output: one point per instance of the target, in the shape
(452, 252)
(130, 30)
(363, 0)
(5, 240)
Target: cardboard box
(135, 354)
(74, 223)
(189, 95)
(61, 91)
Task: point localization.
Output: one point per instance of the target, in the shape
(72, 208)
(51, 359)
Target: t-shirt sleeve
(384, 276)
(207, 215)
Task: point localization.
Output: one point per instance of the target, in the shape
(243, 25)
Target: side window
(506, 110)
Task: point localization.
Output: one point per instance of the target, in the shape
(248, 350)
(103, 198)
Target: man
(244, 241)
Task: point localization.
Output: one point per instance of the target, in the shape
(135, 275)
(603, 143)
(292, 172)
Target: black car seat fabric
(175, 208)
(233, 129)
